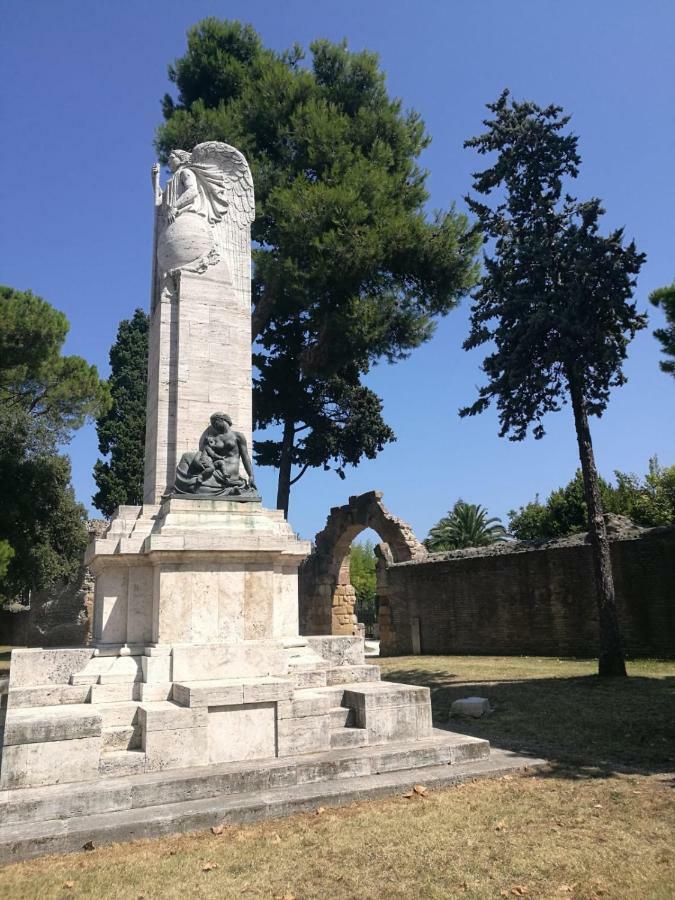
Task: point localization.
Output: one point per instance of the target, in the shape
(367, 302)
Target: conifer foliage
(348, 267)
(121, 430)
(555, 301)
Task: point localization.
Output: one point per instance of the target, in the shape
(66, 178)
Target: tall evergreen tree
(44, 397)
(555, 300)
(665, 298)
(348, 269)
(121, 430)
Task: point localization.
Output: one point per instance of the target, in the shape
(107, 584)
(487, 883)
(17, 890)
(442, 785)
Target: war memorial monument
(198, 700)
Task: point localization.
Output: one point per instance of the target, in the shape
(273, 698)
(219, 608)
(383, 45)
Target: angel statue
(204, 213)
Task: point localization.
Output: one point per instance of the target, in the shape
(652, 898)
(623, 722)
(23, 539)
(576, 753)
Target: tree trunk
(285, 463)
(611, 659)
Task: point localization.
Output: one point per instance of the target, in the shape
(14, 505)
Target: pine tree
(348, 270)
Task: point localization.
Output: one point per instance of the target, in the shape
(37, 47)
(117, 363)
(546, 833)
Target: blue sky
(82, 84)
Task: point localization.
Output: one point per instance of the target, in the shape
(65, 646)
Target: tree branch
(299, 476)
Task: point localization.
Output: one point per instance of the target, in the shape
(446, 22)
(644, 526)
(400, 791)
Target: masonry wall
(58, 617)
(531, 602)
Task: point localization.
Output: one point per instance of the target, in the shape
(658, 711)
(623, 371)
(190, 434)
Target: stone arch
(325, 590)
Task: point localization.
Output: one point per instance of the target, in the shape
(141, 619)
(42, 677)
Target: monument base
(197, 662)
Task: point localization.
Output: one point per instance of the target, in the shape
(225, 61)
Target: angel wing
(237, 174)
(233, 237)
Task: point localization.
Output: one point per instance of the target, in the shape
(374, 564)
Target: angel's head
(178, 158)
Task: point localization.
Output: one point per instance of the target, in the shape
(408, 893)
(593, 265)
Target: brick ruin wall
(522, 600)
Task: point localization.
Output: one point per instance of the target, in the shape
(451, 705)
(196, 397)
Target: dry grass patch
(557, 708)
(545, 836)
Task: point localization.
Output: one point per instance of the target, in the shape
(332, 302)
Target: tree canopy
(554, 303)
(121, 429)
(648, 501)
(44, 396)
(665, 298)
(348, 267)
(465, 525)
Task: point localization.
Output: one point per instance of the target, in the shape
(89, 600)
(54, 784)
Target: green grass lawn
(556, 708)
(597, 824)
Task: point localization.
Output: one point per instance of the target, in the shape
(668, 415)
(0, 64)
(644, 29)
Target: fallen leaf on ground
(421, 790)
(207, 867)
(519, 890)
(217, 829)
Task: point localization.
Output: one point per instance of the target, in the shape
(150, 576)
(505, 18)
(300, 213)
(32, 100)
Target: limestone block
(230, 586)
(95, 667)
(309, 705)
(55, 762)
(470, 706)
(156, 690)
(51, 723)
(306, 734)
(390, 723)
(175, 748)
(139, 607)
(348, 674)
(241, 732)
(167, 716)
(124, 669)
(262, 689)
(156, 668)
(111, 603)
(114, 714)
(258, 619)
(311, 679)
(115, 693)
(195, 662)
(30, 668)
(424, 720)
(209, 693)
(339, 650)
(49, 695)
(285, 602)
(385, 693)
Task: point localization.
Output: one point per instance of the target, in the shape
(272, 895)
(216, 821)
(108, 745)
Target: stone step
(121, 737)
(312, 679)
(341, 717)
(115, 693)
(49, 695)
(350, 674)
(119, 714)
(120, 763)
(128, 786)
(103, 825)
(348, 737)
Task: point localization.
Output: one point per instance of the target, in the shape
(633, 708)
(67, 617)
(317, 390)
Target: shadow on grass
(602, 725)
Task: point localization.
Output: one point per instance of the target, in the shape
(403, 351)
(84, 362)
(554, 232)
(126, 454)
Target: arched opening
(327, 595)
(362, 563)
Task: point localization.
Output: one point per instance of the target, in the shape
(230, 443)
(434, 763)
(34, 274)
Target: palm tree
(466, 525)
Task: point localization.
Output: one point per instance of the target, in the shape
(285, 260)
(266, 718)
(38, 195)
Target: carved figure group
(213, 470)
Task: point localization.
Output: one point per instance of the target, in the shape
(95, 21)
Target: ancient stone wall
(58, 617)
(518, 599)
(326, 595)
